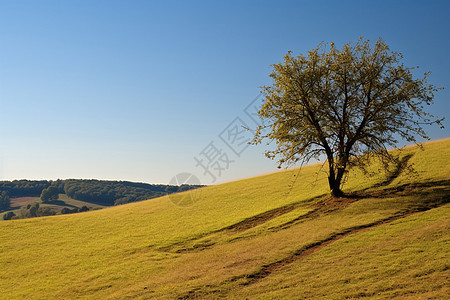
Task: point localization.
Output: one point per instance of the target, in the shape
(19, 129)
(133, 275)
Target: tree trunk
(335, 187)
(334, 181)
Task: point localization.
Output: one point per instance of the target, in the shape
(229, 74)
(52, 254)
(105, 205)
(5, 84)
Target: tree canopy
(347, 104)
(5, 202)
(49, 194)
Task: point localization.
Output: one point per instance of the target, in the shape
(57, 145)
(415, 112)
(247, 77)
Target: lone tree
(346, 104)
(49, 194)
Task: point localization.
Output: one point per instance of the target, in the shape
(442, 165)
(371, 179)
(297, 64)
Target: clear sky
(136, 90)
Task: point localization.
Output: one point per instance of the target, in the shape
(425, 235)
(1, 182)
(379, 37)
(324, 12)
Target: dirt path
(320, 205)
(218, 291)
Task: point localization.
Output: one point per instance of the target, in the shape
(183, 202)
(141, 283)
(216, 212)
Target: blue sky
(134, 90)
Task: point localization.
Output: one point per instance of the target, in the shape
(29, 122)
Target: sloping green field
(277, 236)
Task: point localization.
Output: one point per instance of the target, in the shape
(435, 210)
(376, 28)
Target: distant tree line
(24, 188)
(5, 201)
(89, 190)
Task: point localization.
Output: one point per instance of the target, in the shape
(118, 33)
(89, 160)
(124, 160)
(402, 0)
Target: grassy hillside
(273, 236)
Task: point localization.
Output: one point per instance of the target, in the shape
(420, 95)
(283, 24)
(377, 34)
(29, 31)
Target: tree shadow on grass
(399, 168)
(60, 203)
(426, 195)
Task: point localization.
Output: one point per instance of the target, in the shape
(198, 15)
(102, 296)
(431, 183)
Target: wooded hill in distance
(93, 191)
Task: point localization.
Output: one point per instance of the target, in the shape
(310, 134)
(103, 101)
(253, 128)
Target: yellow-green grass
(217, 247)
(408, 259)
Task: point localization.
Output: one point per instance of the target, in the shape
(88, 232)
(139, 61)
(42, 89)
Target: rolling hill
(74, 195)
(277, 236)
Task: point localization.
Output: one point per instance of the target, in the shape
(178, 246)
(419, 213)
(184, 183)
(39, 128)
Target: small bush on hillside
(67, 210)
(45, 211)
(34, 210)
(9, 215)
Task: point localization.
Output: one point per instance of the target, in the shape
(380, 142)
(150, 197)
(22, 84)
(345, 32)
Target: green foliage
(5, 201)
(67, 210)
(94, 191)
(347, 105)
(9, 215)
(24, 188)
(34, 210)
(49, 194)
(45, 211)
(116, 192)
